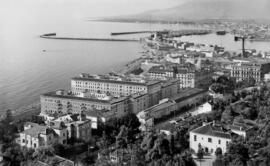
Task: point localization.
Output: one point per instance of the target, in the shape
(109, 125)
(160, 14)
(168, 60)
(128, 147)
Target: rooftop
(115, 79)
(177, 69)
(36, 130)
(54, 94)
(160, 106)
(214, 130)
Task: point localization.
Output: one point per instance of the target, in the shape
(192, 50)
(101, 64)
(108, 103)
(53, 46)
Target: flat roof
(160, 106)
(115, 81)
(187, 93)
(54, 95)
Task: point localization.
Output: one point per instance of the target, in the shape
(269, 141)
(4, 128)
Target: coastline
(27, 111)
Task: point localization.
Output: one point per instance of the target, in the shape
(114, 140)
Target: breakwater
(53, 36)
(128, 33)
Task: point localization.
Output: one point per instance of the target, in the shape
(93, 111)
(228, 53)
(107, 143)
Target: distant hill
(209, 9)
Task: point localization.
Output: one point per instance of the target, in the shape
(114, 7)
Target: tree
(121, 139)
(217, 88)
(172, 144)
(8, 116)
(42, 153)
(15, 155)
(238, 152)
(200, 153)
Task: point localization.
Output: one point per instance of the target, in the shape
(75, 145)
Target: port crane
(243, 38)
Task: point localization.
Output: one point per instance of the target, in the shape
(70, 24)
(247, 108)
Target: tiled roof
(240, 126)
(36, 130)
(57, 125)
(212, 130)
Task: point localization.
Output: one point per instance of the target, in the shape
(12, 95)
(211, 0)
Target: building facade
(185, 76)
(244, 71)
(146, 117)
(115, 86)
(78, 126)
(210, 137)
(35, 135)
(60, 102)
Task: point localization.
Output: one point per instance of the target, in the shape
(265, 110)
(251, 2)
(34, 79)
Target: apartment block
(246, 70)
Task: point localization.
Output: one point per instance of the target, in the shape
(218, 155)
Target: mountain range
(208, 9)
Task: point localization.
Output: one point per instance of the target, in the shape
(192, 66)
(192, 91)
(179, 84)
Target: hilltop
(207, 9)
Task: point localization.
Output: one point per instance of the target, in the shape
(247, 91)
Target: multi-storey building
(62, 102)
(117, 86)
(35, 135)
(169, 88)
(245, 71)
(139, 102)
(78, 126)
(186, 76)
(147, 116)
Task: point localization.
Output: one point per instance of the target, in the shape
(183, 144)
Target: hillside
(209, 9)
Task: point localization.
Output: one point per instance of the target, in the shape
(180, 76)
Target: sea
(30, 65)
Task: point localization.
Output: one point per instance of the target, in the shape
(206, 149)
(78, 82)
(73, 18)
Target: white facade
(35, 136)
(208, 143)
(114, 87)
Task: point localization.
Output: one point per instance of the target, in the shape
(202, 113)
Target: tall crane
(243, 38)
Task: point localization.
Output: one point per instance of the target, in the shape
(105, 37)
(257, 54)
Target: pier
(53, 36)
(129, 33)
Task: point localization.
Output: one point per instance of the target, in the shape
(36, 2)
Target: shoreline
(26, 111)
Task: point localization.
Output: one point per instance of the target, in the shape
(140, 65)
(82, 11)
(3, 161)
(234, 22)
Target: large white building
(117, 86)
(62, 102)
(210, 137)
(113, 85)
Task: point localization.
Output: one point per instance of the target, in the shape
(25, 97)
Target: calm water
(27, 71)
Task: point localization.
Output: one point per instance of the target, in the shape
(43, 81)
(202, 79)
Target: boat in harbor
(221, 32)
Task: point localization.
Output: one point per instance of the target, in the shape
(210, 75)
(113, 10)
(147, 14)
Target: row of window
(209, 140)
(92, 84)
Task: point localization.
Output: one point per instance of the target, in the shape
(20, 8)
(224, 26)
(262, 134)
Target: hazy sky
(84, 8)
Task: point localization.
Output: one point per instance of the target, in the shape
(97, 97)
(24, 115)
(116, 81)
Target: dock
(53, 36)
(129, 33)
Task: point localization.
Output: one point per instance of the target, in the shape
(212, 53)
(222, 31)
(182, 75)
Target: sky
(84, 8)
